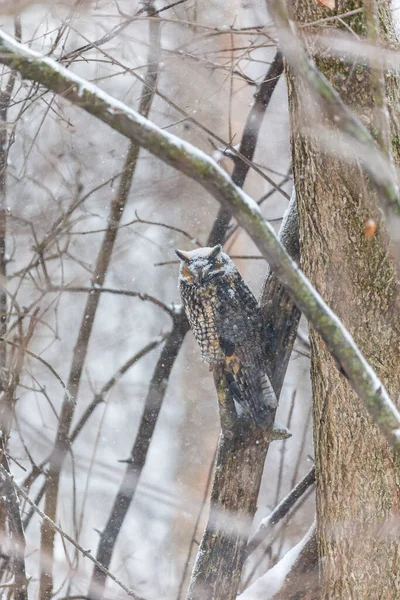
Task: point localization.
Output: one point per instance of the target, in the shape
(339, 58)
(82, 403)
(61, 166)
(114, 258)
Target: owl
(227, 323)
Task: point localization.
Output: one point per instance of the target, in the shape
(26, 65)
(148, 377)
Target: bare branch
(248, 142)
(7, 477)
(97, 290)
(43, 361)
(222, 551)
(280, 511)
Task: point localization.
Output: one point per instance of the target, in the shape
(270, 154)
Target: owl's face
(203, 266)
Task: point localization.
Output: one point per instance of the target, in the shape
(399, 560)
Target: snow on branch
(280, 511)
(267, 586)
(203, 169)
(376, 163)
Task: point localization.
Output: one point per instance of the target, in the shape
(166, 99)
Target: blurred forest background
(88, 229)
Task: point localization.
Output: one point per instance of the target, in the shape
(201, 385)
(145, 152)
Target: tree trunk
(357, 487)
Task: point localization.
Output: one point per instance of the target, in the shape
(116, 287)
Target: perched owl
(227, 323)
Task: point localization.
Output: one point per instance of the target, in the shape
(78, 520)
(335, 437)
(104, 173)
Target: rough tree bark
(241, 458)
(358, 490)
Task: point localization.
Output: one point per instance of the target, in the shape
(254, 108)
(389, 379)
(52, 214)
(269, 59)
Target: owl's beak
(200, 279)
(203, 276)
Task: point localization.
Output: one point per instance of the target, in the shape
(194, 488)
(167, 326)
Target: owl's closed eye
(200, 267)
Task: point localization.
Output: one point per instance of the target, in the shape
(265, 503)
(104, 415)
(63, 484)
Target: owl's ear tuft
(215, 252)
(182, 255)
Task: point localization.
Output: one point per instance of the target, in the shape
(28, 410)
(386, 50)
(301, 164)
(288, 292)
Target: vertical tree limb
(248, 142)
(281, 317)
(135, 464)
(80, 351)
(10, 500)
(5, 386)
(9, 381)
(241, 456)
(5, 100)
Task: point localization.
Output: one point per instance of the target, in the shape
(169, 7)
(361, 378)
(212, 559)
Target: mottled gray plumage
(227, 323)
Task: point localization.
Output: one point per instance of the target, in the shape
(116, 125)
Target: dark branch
(10, 499)
(281, 317)
(248, 143)
(280, 511)
(139, 451)
(242, 452)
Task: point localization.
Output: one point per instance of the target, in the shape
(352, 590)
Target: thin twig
(44, 362)
(201, 126)
(187, 235)
(58, 529)
(97, 290)
(99, 397)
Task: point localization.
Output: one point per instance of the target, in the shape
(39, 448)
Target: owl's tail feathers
(270, 400)
(258, 401)
(267, 403)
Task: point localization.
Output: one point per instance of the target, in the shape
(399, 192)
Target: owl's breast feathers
(227, 323)
(200, 306)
